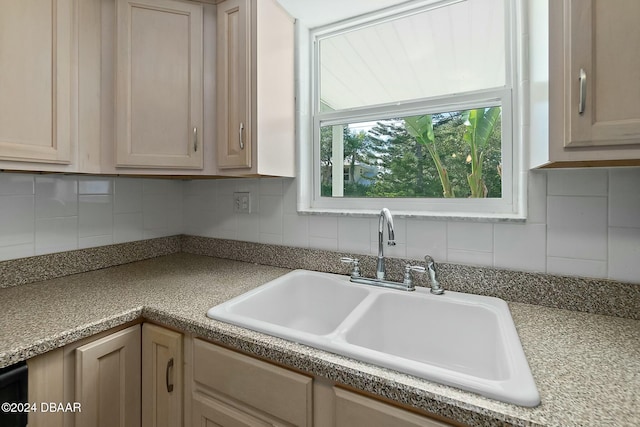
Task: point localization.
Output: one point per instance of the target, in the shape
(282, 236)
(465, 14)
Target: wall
(42, 214)
(581, 223)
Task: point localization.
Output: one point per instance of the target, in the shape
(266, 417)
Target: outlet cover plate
(242, 202)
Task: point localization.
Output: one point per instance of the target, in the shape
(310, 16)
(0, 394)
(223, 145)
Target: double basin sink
(461, 340)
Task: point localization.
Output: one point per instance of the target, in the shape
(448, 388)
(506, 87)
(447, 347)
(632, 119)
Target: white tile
(16, 251)
(296, 230)
(127, 197)
(271, 215)
(16, 184)
(155, 233)
(577, 227)
(127, 227)
(323, 226)
(577, 267)
(199, 187)
(56, 234)
(224, 223)
(290, 196)
(459, 256)
(624, 197)
(56, 196)
(94, 241)
(154, 214)
(470, 236)
(537, 197)
(624, 254)
(271, 239)
(520, 246)
(248, 227)
(271, 187)
(95, 185)
(354, 235)
(577, 182)
(16, 220)
(155, 186)
(226, 186)
(175, 219)
(96, 215)
(324, 243)
(426, 237)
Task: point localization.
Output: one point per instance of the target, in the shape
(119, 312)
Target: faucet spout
(385, 216)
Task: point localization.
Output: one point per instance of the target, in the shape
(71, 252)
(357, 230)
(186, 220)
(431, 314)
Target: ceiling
(315, 13)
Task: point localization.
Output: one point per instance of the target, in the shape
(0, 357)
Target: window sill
(439, 216)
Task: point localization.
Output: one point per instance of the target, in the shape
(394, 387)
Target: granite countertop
(586, 366)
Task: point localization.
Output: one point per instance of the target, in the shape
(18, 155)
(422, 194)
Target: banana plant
(479, 126)
(421, 128)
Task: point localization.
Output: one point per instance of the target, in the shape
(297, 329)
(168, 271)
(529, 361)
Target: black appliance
(13, 389)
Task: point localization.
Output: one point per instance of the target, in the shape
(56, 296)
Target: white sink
(462, 340)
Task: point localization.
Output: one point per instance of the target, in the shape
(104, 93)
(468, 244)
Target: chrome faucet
(433, 275)
(385, 215)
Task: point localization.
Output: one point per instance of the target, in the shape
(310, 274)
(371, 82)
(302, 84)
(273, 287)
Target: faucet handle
(356, 265)
(408, 280)
(433, 275)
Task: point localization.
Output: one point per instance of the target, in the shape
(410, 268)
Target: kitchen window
(414, 108)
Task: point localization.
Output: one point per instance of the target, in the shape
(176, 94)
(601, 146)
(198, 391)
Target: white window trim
(511, 207)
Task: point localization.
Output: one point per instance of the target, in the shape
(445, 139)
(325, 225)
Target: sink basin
(462, 340)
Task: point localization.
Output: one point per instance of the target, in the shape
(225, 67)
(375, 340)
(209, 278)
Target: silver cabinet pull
(195, 139)
(583, 91)
(169, 366)
(240, 134)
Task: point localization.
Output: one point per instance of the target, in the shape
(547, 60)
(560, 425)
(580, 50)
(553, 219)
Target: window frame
(511, 205)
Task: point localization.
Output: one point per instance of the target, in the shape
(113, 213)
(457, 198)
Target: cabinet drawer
(279, 392)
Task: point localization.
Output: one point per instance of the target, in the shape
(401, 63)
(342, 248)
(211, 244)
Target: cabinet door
(161, 377)
(352, 409)
(36, 56)
(603, 72)
(234, 84)
(108, 380)
(159, 84)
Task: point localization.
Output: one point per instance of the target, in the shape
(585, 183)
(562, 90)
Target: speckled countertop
(586, 366)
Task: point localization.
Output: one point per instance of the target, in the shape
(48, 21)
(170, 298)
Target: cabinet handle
(240, 134)
(583, 91)
(169, 366)
(195, 139)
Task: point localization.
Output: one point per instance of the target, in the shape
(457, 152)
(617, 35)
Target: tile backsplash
(41, 214)
(581, 222)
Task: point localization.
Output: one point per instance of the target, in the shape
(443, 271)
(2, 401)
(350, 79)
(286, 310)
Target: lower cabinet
(149, 376)
(162, 377)
(232, 389)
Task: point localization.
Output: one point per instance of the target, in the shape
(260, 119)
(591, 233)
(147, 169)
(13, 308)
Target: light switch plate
(242, 202)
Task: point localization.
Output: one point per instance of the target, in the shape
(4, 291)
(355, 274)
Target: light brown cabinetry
(108, 380)
(594, 81)
(159, 84)
(353, 409)
(162, 380)
(255, 89)
(100, 373)
(231, 389)
(36, 81)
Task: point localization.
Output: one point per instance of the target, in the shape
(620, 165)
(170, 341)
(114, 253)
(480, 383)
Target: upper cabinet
(255, 98)
(36, 82)
(159, 84)
(594, 82)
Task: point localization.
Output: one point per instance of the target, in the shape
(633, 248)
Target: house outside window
(415, 108)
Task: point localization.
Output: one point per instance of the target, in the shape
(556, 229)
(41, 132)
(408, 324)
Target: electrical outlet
(242, 202)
